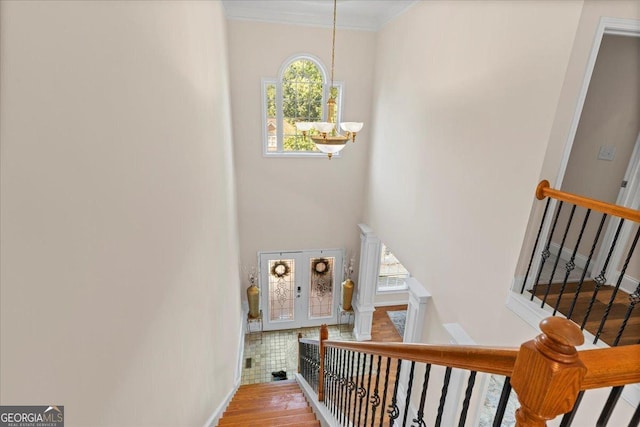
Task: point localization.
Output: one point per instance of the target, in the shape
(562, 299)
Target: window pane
(270, 99)
(281, 289)
(321, 287)
(392, 272)
(301, 101)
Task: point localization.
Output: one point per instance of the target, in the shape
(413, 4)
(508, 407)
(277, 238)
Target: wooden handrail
(611, 367)
(544, 190)
(547, 372)
(497, 361)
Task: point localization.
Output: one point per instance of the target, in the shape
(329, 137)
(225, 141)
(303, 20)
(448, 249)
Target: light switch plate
(607, 152)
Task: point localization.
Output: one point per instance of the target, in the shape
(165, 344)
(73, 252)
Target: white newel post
(370, 247)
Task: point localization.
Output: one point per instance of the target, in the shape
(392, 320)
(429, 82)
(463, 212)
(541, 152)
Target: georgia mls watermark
(32, 416)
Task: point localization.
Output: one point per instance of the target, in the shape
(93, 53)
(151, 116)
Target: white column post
(369, 266)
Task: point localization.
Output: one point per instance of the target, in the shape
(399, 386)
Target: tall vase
(347, 294)
(253, 296)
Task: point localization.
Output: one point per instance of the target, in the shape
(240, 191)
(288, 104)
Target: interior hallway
(274, 351)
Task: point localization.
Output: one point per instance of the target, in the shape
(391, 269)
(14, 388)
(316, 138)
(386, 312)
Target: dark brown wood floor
(616, 315)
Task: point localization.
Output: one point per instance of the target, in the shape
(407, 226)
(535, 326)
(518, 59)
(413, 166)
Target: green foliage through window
(302, 88)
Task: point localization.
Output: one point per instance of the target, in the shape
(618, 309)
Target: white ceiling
(352, 14)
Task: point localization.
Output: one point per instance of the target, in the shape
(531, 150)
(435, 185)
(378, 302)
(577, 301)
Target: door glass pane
(321, 287)
(281, 289)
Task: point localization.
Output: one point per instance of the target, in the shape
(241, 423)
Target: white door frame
(614, 26)
(629, 197)
(301, 287)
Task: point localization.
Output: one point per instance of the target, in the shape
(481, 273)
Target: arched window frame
(266, 82)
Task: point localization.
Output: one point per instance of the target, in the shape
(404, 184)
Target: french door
(300, 288)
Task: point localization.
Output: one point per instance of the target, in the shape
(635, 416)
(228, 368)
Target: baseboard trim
(213, 419)
(323, 414)
(391, 303)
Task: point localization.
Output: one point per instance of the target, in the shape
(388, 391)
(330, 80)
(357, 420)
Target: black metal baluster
(555, 264)
(535, 245)
(408, 398)
(355, 394)
(567, 419)
(375, 399)
(502, 403)
(394, 411)
(586, 267)
(341, 385)
(384, 390)
(350, 386)
(545, 253)
(609, 406)
(617, 287)
(443, 395)
(361, 390)
(332, 378)
(634, 298)
(571, 265)
(467, 399)
(601, 279)
(635, 419)
(423, 397)
(366, 406)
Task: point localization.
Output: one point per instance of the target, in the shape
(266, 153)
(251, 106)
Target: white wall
(465, 98)
(117, 211)
(297, 203)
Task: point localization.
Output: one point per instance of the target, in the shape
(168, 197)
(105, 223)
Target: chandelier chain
(333, 42)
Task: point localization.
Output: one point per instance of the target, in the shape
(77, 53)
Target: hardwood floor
(615, 317)
(382, 328)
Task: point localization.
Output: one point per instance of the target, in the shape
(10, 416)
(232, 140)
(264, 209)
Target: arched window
(299, 94)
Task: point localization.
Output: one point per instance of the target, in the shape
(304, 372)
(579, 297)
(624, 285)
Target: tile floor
(278, 351)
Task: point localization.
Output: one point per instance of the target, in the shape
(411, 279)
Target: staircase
(279, 403)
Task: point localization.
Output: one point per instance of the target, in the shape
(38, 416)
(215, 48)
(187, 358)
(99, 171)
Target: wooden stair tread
(278, 403)
(284, 419)
(228, 419)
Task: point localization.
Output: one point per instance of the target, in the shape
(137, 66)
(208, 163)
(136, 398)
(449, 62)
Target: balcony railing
(390, 384)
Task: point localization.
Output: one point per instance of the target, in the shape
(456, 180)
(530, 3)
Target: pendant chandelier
(328, 139)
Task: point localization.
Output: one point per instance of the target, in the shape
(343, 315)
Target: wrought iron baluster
(443, 396)
(394, 411)
(366, 406)
(571, 265)
(601, 279)
(609, 406)
(586, 267)
(618, 283)
(555, 264)
(361, 390)
(355, 394)
(535, 245)
(408, 398)
(467, 399)
(634, 298)
(375, 398)
(545, 253)
(567, 419)
(341, 385)
(502, 403)
(350, 387)
(423, 397)
(332, 381)
(384, 390)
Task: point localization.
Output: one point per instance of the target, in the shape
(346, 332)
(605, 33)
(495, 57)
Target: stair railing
(361, 383)
(576, 237)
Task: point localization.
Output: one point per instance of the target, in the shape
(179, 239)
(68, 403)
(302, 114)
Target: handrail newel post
(324, 335)
(548, 373)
